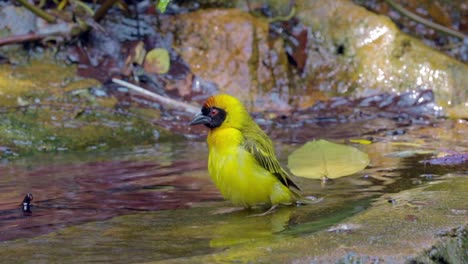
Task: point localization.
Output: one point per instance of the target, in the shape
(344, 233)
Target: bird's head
(222, 110)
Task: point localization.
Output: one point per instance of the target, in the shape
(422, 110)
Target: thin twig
(426, 22)
(84, 6)
(162, 100)
(39, 12)
(102, 11)
(25, 38)
(66, 31)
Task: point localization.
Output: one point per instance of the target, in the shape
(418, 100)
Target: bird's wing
(261, 147)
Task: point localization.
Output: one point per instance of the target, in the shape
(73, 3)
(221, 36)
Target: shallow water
(158, 203)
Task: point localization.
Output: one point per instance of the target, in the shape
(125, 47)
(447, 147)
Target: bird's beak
(200, 119)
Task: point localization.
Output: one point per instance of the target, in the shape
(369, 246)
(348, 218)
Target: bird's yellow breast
(238, 175)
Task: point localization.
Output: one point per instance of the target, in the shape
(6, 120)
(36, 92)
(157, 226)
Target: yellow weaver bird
(242, 161)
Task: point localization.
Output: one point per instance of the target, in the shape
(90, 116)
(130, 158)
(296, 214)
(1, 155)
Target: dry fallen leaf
(157, 61)
(321, 158)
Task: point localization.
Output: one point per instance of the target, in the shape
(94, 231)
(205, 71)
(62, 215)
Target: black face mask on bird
(211, 117)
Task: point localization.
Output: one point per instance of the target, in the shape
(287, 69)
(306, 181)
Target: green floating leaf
(317, 159)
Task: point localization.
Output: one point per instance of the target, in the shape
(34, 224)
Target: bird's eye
(214, 112)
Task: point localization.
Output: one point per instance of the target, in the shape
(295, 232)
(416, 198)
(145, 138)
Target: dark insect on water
(26, 204)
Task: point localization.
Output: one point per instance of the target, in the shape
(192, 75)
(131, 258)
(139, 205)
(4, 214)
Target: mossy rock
(41, 111)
